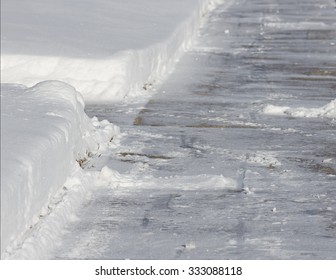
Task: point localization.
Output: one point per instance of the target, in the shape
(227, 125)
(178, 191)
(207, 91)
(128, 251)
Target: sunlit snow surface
(234, 156)
(105, 49)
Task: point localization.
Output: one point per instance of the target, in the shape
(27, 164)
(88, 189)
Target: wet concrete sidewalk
(207, 123)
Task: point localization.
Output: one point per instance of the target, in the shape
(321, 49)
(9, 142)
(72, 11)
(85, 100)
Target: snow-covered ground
(56, 55)
(233, 157)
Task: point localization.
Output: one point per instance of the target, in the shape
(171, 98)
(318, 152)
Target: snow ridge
(112, 78)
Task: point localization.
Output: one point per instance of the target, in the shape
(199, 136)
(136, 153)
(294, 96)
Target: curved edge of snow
(44, 132)
(124, 74)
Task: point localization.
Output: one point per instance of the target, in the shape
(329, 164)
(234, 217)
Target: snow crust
(107, 50)
(55, 55)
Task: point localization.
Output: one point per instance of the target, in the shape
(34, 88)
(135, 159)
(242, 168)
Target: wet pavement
(204, 172)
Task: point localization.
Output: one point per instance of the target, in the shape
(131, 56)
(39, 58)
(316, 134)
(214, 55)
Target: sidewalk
(234, 156)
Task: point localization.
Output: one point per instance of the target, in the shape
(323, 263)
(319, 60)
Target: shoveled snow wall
(44, 130)
(44, 127)
(124, 70)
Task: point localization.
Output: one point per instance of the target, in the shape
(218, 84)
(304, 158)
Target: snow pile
(105, 49)
(327, 111)
(44, 132)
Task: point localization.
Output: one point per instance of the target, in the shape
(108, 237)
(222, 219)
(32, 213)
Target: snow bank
(327, 111)
(40, 240)
(44, 131)
(105, 49)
